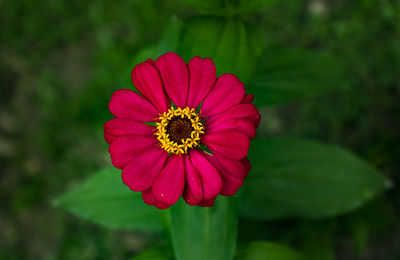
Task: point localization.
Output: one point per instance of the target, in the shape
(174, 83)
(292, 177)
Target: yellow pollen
(179, 130)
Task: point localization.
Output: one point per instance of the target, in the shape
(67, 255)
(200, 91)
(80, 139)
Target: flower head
(187, 134)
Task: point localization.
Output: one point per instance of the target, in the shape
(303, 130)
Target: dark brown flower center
(179, 128)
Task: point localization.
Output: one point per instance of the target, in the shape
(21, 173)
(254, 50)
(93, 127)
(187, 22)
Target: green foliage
(248, 6)
(376, 216)
(232, 44)
(360, 232)
(104, 199)
(317, 240)
(261, 250)
(204, 233)
(230, 7)
(296, 178)
(160, 252)
(61, 61)
(288, 74)
(206, 5)
(170, 38)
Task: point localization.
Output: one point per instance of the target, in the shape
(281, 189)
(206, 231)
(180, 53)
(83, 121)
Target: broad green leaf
(288, 74)
(160, 252)
(265, 250)
(201, 233)
(298, 178)
(232, 44)
(104, 199)
(230, 7)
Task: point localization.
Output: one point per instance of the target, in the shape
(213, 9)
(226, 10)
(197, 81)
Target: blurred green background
(60, 61)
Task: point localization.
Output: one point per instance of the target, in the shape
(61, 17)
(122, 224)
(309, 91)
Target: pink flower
(190, 109)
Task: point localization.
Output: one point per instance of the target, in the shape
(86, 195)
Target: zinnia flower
(186, 134)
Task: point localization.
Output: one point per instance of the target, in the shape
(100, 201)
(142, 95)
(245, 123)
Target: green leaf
(204, 233)
(297, 178)
(266, 250)
(285, 75)
(160, 252)
(232, 44)
(230, 7)
(104, 199)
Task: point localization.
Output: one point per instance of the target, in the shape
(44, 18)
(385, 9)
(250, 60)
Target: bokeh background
(60, 61)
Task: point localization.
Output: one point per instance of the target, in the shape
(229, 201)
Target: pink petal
(227, 92)
(189, 197)
(202, 76)
(212, 182)
(194, 189)
(245, 126)
(248, 99)
(125, 148)
(230, 184)
(246, 163)
(175, 76)
(146, 79)
(234, 168)
(128, 104)
(141, 170)
(120, 126)
(232, 145)
(206, 203)
(168, 185)
(256, 119)
(239, 111)
(161, 205)
(149, 199)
